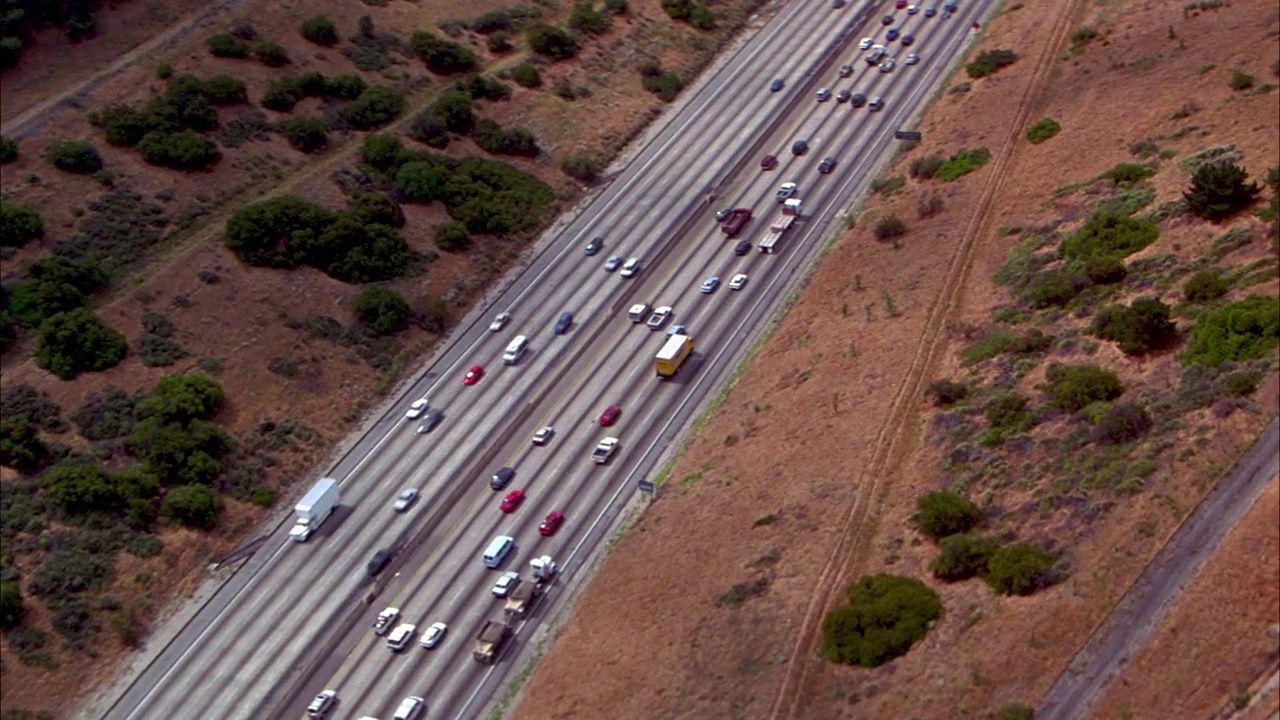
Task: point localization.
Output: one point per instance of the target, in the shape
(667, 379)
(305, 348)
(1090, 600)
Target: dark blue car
(564, 323)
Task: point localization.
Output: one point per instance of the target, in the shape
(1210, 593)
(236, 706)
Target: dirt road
(1140, 611)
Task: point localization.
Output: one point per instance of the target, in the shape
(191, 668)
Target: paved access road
(296, 618)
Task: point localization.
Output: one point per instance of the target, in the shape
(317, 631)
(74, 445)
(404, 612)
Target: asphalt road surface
(297, 618)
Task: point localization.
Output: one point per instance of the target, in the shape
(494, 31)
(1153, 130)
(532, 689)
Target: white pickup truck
(604, 450)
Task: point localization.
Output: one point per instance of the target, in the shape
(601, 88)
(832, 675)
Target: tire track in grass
(893, 442)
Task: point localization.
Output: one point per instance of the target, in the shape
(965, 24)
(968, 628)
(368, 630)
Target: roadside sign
(646, 486)
(906, 135)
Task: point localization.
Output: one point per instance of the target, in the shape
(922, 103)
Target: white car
(710, 284)
(912, 59)
(913, 9)
(400, 638)
(877, 103)
(824, 94)
(785, 190)
(737, 282)
(612, 263)
(659, 317)
(433, 635)
(322, 704)
(677, 330)
(505, 584)
(865, 43)
(887, 65)
(631, 267)
(418, 407)
(385, 620)
(407, 498)
(499, 322)
(410, 709)
(543, 436)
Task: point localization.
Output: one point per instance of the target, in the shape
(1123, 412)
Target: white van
(515, 350)
(497, 551)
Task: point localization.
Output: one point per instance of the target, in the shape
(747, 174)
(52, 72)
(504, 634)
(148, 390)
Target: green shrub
(381, 151)
(1008, 411)
(884, 617)
(947, 392)
(11, 605)
(926, 167)
(945, 512)
(422, 182)
(1238, 331)
(962, 556)
(20, 445)
(347, 86)
(1072, 387)
(156, 351)
(483, 87)
(271, 54)
(125, 125)
(8, 150)
(19, 224)
(442, 57)
(183, 398)
(75, 342)
(1122, 423)
(452, 236)
(184, 150)
(1240, 81)
(1142, 327)
(1081, 37)
(702, 18)
(70, 572)
(1205, 286)
(320, 30)
(888, 228)
(105, 416)
(1129, 172)
(378, 208)
(281, 95)
(1105, 270)
(375, 107)
(227, 45)
(665, 84)
(306, 134)
(1016, 711)
(454, 108)
(989, 62)
(79, 489)
(526, 75)
(1021, 569)
(499, 43)
(585, 18)
(255, 231)
(581, 167)
(192, 506)
(1053, 288)
(512, 141)
(223, 90)
(381, 310)
(1042, 130)
(964, 162)
(1219, 190)
(552, 42)
(1240, 383)
(74, 156)
(1109, 235)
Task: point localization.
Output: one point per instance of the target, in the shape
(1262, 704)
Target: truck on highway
(542, 570)
(672, 355)
(313, 508)
(736, 221)
(489, 643)
(790, 211)
(604, 450)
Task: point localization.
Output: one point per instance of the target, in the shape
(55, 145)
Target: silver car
(612, 263)
(505, 584)
(631, 267)
(407, 498)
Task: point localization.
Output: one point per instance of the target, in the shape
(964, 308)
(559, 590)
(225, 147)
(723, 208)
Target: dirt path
(31, 120)
(1136, 616)
(889, 447)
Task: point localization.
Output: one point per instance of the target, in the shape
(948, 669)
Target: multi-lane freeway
(296, 618)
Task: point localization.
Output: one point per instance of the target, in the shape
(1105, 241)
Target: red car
(554, 520)
(769, 162)
(512, 501)
(473, 375)
(900, 4)
(610, 415)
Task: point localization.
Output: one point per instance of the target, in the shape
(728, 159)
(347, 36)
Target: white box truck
(313, 508)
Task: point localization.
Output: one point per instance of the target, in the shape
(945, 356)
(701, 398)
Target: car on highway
(499, 321)
(844, 95)
(827, 165)
(612, 263)
(406, 499)
(900, 4)
(892, 34)
(785, 190)
(858, 100)
(503, 476)
(504, 585)
(865, 43)
(913, 9)
(824, 94)
(434, 634)
(723, 213)
(630, 268)
(378, 562)
(677, 330)
(594, 246)
(877, 103)
(886, 20)
(511, 501)
(908, 40)
(930, 11)
(659, 317)
(709, 285)
(410, 709)
(877, 54)
(551, 523)
(737, 282)
(911, 59)
(543, 435)
(400, 638)
(473, 375)
(563, 323)
(776, 85)
(887, 65)
(321, 704)
(610, 415)
(837, 4)
(386, 619)
(430, 422)
(846, 70)
(799, 147)
(768, 162)
(742, 248)
(418, 407)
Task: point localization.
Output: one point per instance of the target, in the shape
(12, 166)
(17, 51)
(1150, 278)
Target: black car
(379, 562)
(908, 39)
(501, 478)
(799, 147)
(742, 248)
(430, 421)
(776, 85)
(564, 323)
(888, 20)
(827, 165)
(594, 246)
(858, 100)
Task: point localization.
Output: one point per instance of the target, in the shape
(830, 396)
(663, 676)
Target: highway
(297, 618)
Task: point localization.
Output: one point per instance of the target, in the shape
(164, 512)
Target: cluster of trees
(283, 93)
(52, 285)
(552, 42)
(242, 41)
(165, 129)
(20, 18)
(357, 246)
(441, 56)
(697, 14)
(883, 617)
(19, 224)
(453, 112)
(1143, 326)
(383, 311)
(1236, 331)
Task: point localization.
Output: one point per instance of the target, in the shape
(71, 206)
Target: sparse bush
(585, 18)
(929, 206)
(442, 57)
(702, 18)
(19, 224)
(1042, 130)
(74, 156)
(156, 351)
(382, 310)
(963, 162)
(11, 605)
(1238, 331)
(1240, 81)
(1072, 387)
(271, 54)
(1109, 235)
(947, 392)
(1016, 711)
(375, 107)
(663, 83)
(347, 86)
(1140, 328)
(504, 19)
(512, 141)
(884, 617)
(989, 62)
(552, 42)
(962, 556)
(227, 45)
(306, 134)
(499, 43)
(20, 446)
(945, 512)
(1082, 36)
(1240, 383)
(888, 228)
(1007, 411)
(888, 184)
(526, 75)
(1053, 288)
(70, 572)
(105, 416)
(452, 236)
(1021, 569)
(483, 87)
(8, 150)
(77, 341)
(195, 506)
(1219, 190)
(320, 30)
(378, 208)
(1122, 423)
(581, 167)
(183, 150)
(1130, 172)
